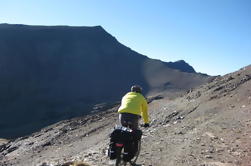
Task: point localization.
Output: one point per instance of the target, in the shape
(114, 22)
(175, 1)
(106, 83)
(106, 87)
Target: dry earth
(208, 126)
(3, 141)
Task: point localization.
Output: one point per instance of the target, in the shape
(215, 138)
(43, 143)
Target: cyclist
(133, 106)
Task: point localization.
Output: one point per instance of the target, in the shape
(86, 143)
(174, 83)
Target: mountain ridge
(182, 65)
(55, 73)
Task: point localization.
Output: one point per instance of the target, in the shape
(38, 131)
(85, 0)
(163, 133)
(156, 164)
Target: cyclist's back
(133, 106)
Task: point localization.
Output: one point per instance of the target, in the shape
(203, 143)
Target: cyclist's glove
(146, 125)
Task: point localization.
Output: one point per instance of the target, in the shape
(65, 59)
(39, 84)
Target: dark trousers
(132, 120)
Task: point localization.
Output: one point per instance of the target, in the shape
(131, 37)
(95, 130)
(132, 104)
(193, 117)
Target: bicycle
(120, 149)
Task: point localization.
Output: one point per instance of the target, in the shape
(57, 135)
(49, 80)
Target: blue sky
(214, 36)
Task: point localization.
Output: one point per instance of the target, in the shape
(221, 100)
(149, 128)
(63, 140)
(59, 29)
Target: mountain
(50, 73)
(209, 125)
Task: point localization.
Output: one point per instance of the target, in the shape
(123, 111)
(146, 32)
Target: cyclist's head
(136, 88)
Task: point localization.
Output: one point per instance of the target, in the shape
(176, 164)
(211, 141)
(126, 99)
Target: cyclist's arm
(145, 111)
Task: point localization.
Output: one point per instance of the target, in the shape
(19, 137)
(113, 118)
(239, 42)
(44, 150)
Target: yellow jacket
(134, 103)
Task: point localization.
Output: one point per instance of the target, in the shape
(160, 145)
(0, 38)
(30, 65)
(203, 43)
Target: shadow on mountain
(50, 73)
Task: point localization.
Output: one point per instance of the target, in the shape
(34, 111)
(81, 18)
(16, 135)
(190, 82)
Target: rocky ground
(3, 141)
(207, 126)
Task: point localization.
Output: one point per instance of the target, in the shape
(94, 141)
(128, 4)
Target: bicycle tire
(133, 161)
(119, 160)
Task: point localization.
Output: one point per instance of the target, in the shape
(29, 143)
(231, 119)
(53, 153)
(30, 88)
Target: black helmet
(136, 88)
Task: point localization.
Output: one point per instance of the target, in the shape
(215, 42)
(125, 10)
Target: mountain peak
(182, 66)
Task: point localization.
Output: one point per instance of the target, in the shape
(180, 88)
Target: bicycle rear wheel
(133, 161)
(119, 160)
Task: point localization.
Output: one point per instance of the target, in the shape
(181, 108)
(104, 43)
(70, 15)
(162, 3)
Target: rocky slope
(50, 73)
(207, 126)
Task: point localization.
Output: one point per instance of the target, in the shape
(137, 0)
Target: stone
(208, 156)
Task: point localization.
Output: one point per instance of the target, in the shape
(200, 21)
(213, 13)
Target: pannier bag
(124, 137)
